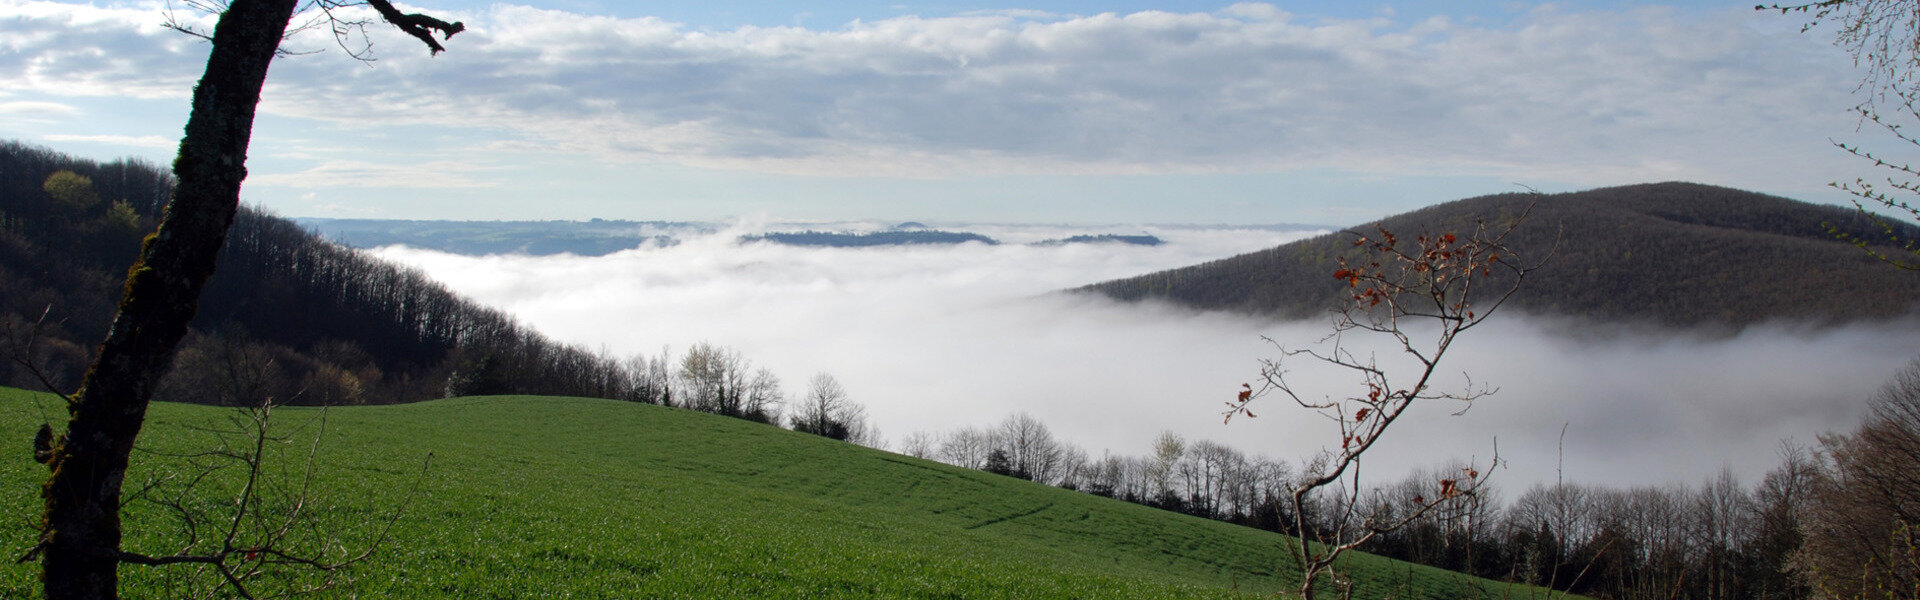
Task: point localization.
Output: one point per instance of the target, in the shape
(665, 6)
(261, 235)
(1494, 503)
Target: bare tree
(1030, 448)
(822, 410)
(1420, 296)
(1781, 508)
(1883, 36)
(1722, 512)
(918, 444)
(1206, 477)
(1863, 518)
(1162, 465)
(716, 380)
(763, 398)
(860, 431)
(1075, 468)
(966, 447)
(652, 377)
(80, 548)
(1111, 476)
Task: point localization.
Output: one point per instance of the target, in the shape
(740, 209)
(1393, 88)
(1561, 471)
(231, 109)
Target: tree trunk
(81, 527)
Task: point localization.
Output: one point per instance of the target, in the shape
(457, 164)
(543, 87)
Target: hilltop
(1675, 254)
(571, 497)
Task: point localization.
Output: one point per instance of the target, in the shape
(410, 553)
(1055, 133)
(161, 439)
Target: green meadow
(536, 497)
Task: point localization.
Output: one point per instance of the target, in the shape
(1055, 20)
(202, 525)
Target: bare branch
(258, 529)
(1883, 37)
(418, 25)
(1421, 295)
(23, 348)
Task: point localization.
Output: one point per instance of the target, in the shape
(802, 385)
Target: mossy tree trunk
(80, 542)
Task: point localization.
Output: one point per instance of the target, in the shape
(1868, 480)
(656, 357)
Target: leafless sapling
(1420, 295)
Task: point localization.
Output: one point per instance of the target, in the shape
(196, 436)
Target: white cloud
(83, 50)
(938, 338)
(362, 173)
(38, 109)
(1582, 97)
(143, 141)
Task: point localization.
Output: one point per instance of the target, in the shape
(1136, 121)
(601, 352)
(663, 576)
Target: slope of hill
(565, 497)
(305, 319)
(1676, 254)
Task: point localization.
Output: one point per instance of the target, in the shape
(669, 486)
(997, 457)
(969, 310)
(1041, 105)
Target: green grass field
(578, 498)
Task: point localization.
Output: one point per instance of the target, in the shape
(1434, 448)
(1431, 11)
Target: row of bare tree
(1834, 520)
(722, 381)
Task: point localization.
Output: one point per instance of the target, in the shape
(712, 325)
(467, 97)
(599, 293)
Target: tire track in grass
(1011, 516)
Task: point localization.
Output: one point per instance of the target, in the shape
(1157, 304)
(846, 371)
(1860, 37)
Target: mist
(934, 338)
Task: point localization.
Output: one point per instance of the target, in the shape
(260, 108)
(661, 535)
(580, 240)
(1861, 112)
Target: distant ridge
(893, 237)
(1108, 238)
(598, 237)
(1679, 254)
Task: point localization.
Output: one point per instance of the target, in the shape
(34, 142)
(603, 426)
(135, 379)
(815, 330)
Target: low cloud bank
(938, 338)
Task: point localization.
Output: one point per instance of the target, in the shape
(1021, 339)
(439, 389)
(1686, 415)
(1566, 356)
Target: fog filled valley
(932, 339)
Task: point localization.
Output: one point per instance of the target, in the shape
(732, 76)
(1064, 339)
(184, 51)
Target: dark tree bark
(81, 528)
(80, 532)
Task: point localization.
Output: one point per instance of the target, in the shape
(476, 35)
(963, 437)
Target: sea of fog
(933, 338)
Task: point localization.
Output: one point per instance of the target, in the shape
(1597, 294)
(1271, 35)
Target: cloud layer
(1585, 97)
(933, 339)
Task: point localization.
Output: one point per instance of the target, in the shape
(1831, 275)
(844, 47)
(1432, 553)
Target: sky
(935, 338)
(1059, 111)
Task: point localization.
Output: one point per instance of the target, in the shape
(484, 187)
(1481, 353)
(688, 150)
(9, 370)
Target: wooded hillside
(287, 315)
(1678, 254)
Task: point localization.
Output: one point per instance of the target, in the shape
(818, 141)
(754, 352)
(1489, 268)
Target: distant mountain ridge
(600, 237)
(1678, 254)
(894, 237)
(597, 237)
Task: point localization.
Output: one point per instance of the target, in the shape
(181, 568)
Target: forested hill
(286, 315)
(1678, 254)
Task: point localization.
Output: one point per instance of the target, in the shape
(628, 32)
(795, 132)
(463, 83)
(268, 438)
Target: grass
(582, 498)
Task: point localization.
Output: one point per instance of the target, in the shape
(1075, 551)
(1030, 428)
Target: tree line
(723, 381)
(1832, 520)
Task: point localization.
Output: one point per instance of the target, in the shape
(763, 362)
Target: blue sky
(1132, 112)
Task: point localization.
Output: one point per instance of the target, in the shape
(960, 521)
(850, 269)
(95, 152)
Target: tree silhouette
(79, 548)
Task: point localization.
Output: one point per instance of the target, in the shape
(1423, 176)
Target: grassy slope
(563, 497)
